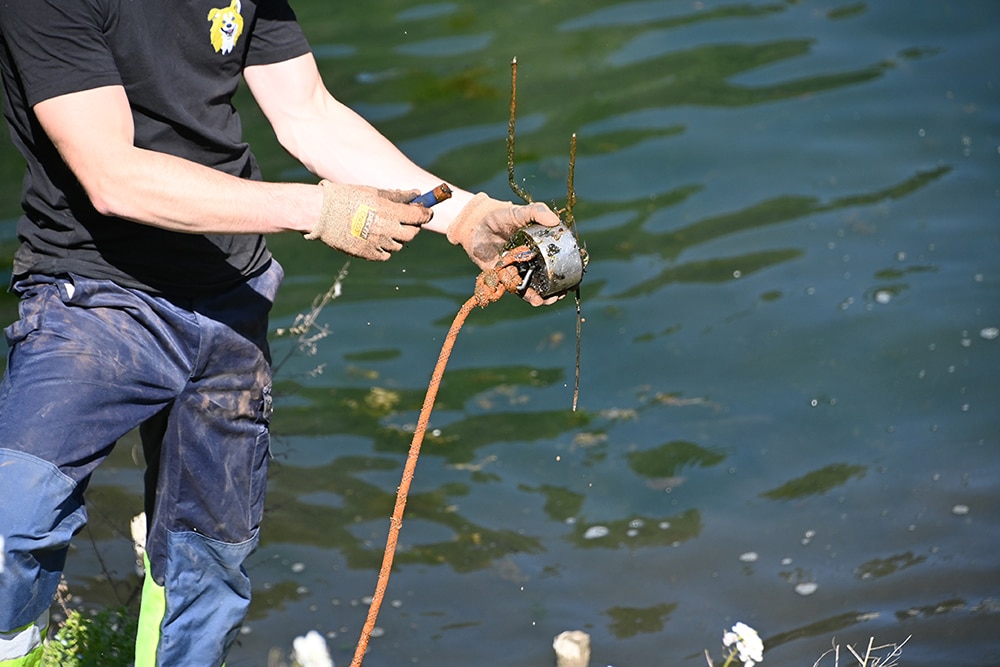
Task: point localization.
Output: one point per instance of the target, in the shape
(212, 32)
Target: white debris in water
(595, 532)
(960, 510)
(298, 567)
(806, 588)
(311, 651)
(786, 561)
(572, 649)
(749, 557)
(747, 644)
(137, 526)
(990, 333)
(636, 523)
(807, 537)
(664, 525)
(883, 296)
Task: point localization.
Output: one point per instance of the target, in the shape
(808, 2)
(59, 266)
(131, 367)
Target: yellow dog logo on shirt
(227, 26)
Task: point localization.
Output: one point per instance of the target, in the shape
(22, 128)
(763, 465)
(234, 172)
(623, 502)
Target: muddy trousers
(90, 361)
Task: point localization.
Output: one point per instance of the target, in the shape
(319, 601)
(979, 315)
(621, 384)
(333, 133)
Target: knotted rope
(490, 286)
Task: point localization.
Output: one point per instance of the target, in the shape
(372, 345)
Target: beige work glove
(367, 222)
(485, 225)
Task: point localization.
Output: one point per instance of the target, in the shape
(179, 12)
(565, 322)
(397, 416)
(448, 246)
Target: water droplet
(806, 588)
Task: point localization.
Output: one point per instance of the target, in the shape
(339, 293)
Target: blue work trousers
(89, 361)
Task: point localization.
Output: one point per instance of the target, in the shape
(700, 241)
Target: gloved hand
(485, 225)
(367, 222)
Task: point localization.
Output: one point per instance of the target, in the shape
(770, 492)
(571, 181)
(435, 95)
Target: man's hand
(484, 225)
(368, 222)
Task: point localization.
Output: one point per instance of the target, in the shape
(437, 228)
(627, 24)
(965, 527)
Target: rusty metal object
(435, 196)
(558, 261)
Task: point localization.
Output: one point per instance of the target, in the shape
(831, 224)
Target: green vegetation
(106, 638)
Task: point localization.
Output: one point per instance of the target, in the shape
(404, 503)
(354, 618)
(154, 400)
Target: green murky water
(790, 356)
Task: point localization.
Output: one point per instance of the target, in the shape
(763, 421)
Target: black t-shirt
(180, 63)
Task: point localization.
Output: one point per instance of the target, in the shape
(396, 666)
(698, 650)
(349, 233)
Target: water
(788, 402)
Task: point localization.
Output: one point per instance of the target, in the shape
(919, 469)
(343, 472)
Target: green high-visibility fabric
(23, 639)
(151, 610)
(33, 659)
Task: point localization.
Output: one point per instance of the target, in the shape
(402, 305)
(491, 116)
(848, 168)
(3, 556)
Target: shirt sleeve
(58, 46)
(277, 35)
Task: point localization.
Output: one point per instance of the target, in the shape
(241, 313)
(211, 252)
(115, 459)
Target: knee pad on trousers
(201, 605)
(40, 511)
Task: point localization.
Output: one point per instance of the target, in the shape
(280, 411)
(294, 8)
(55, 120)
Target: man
(145, 284)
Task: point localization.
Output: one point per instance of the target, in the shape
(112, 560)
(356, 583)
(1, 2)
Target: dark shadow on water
(816, 482)
(292, 520)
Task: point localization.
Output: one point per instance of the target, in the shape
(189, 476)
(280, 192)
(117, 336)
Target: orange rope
(490, 286)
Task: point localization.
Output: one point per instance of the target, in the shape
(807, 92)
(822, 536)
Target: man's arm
(337, 144)
(93, 132)
(332, 140)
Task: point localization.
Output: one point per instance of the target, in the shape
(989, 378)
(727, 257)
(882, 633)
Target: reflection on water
(817, 482)
(787, 409)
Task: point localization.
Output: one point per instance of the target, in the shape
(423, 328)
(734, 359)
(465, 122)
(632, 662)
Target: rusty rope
(490, 286)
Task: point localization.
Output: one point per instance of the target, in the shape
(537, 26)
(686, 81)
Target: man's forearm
(335, 142)
(365, 156)
(93, 132)
(172, 193)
